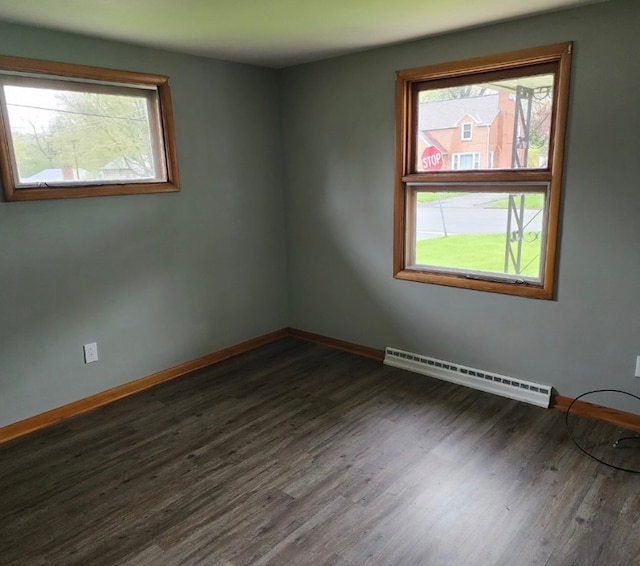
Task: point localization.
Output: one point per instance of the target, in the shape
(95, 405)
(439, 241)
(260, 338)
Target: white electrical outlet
(638, 366)
(90, 353)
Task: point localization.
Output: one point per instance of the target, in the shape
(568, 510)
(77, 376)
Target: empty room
(325, 283)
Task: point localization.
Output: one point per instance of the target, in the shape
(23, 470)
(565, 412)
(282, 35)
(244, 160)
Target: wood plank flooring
(295, 454)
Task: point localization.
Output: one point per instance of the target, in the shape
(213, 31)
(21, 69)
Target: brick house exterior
(471, 133)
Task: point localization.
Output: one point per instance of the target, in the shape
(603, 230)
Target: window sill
(82, 191)
(520, 288)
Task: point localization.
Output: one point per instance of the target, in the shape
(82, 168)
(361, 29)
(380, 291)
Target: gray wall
(339, 133)
(156, 280)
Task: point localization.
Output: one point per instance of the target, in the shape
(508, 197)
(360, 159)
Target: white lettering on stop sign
(432, 159)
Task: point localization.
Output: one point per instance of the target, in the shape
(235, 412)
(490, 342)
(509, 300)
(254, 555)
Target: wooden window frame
(556, 57)
(98, 78)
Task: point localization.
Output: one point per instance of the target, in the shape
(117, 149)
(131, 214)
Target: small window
(72, 131)
(466, 160)
(482, 214)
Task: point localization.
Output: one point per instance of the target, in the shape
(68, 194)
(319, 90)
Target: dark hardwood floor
(295, 454)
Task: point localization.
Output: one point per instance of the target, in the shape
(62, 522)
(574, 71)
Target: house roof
(431, 141)
(443, 114)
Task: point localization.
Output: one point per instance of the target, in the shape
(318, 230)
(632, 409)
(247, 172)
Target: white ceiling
(273, 33)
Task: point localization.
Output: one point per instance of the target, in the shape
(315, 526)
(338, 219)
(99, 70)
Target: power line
(142, 119)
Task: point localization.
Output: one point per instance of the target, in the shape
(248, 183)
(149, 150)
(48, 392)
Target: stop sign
(432, 159)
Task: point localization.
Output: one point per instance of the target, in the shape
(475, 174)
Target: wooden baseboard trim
(42, 420)
(591, 410)
(31, 424)
(338, 344)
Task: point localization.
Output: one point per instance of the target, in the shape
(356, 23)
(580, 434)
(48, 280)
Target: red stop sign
(432, 159)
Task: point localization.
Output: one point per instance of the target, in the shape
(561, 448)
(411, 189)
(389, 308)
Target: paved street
(466, 215)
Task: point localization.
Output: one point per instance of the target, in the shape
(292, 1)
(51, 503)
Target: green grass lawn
(430, 197)
(477, 252)
(532, 201)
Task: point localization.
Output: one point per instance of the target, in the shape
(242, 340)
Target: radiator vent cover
(511, 387)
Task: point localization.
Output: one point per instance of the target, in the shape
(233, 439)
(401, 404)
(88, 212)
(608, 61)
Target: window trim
(557, 57)
(86, 74)
(470, 136)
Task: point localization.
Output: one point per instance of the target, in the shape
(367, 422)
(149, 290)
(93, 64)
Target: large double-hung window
(481, 211)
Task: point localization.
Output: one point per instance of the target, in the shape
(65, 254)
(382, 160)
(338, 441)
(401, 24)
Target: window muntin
(466, 131)
(509, 156)
(72, 131)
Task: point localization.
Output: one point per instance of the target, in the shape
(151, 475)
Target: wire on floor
(616, 444)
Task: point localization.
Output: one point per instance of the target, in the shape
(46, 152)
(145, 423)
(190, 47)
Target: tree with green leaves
(96, 130)
(32, 152)
(455, 92)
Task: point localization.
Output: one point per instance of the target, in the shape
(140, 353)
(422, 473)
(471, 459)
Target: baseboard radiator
(511, 387)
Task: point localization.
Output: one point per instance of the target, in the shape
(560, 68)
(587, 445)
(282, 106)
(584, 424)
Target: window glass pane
(510, 119)
(496, 233)
(76, 135)
(466, 160)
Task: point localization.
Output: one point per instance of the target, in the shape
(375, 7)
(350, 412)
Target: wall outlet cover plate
(90, 353)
